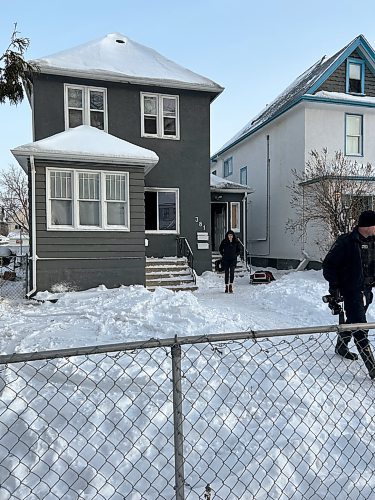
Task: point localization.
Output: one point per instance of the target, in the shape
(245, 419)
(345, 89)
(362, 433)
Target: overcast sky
(254, 49)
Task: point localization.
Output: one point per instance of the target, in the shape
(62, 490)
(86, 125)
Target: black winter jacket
(342, 266)
(230, 250)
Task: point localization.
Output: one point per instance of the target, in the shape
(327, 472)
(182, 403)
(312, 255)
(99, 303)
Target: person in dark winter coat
(349, 268)
(230, 249)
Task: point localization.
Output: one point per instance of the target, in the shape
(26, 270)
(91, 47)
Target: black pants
(356, 305)
(229, 267)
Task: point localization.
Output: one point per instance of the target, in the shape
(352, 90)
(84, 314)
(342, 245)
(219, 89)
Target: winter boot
(231, 288)
(342, 348)
(226, 288)
(368, 359)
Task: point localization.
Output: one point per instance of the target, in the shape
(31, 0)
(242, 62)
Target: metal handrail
(184, 250)
(246, 255)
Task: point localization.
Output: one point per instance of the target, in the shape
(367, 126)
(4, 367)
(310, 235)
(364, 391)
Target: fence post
(177, 422)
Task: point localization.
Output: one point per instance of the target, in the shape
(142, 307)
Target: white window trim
(86, 104)
(167, 190)
(159, 121)
(238, 204)
(75, 191)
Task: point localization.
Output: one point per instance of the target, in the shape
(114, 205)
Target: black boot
(368, 359)
(342, 348)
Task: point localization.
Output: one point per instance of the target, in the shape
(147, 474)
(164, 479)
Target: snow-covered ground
(282, 418)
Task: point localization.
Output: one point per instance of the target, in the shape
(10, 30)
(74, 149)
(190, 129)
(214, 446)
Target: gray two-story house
(96, 215)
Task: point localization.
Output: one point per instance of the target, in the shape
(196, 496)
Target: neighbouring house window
(243, 176)
(228, 167)
(85, 106)
(160, 116)
(161, 210)
(361, 202)
(353, 135)
(82, 200)
(355, 76)
(235, 216)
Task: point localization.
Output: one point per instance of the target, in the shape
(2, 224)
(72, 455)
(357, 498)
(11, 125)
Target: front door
(218, 224)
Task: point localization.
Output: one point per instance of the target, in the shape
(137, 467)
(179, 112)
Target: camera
(333, 303)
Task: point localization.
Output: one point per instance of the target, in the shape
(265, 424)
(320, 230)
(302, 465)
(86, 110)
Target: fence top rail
(170, 342)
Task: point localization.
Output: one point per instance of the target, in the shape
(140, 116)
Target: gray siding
(85, 259)
(183, 163)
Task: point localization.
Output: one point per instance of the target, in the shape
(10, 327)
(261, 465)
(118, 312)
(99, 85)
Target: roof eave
(116, 77)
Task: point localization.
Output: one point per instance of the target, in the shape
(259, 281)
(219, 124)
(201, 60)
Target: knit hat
(366, 219)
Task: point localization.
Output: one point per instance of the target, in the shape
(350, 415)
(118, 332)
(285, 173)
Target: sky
(253, 49)
(281, 418)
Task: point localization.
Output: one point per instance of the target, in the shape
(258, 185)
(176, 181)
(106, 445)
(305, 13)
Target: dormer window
(355, 76)
(85, 106)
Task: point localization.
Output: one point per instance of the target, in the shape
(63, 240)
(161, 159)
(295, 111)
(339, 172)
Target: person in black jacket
(349, 268)
(230, 250)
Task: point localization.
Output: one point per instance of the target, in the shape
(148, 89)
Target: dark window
(151, 217)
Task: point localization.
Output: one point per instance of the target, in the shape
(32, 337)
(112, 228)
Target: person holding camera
(349, 268)
(229, 249)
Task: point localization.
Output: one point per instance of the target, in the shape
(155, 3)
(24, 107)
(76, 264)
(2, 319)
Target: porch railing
(184, 250)
(245, 255)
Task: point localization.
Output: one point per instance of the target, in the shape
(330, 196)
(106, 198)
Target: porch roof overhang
(86, 144)
(220, 185)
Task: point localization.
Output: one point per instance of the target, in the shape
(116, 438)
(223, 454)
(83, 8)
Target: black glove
(334, 291)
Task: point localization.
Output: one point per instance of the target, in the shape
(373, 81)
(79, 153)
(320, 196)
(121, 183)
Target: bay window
(84, 200)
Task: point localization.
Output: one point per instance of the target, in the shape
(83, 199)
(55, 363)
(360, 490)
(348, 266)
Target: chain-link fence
(233, 416)
(13, 277)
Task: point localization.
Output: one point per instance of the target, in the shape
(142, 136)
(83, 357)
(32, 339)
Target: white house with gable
(331, 105)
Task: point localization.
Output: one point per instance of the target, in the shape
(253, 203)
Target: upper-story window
(243, 176)
(85, 106)
(353, 135)
(87, 200)
(355, 76)
(228, 167)
(160, 116)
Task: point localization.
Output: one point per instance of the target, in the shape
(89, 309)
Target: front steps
(169, 272)
(240, 268)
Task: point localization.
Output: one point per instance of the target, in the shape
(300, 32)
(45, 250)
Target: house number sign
(200, 223)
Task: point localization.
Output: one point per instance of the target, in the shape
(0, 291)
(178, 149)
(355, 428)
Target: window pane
(243, 176)
(150, 210)
(353, 125)
(169, 107)
(97, 119)
(167, 211)
(61, 212)
(75, 98)
(234, 216)
(89, 213)
(75, 118)
(88, 186)
(150, 125)
(355, 71)
(353, 146)
(60, 184)
(169, 126)
(96, 99)
(355, 86)
(116, 214)
(150, 105)
(115, 187)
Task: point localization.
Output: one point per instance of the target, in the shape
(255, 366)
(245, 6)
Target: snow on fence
(249, 415)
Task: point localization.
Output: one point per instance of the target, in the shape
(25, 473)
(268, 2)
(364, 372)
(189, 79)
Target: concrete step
(172, 273)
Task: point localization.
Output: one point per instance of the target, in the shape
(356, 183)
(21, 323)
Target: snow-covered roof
(306, 83)
(219, 184)
(118, 58)
(85, 143)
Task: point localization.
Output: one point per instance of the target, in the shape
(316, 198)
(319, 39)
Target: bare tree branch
(330, 193)
(14, 196)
